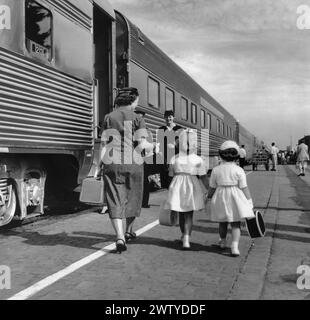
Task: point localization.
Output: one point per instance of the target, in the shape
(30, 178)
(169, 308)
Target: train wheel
(7, 211)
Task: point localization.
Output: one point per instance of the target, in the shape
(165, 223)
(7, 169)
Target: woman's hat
(127, 92)
(229, 145)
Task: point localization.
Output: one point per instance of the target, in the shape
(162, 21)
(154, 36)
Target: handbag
(92, 191)
(167, 217)
(256, 225)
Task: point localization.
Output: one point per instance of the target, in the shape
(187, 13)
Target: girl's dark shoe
(130, 236)
(120, 245)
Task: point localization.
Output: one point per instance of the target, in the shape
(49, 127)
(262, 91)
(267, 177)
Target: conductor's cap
(169, 113)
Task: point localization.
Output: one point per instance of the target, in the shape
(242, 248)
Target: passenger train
(60, 63)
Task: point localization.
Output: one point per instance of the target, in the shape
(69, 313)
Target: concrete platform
(155, 267)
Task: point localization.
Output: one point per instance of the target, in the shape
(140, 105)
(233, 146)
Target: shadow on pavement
(87, 240)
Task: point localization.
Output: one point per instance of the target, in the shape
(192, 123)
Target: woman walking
(302, 157)
(123, 136)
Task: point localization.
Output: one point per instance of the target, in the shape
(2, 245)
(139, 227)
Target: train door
(103, 71)
(104, 52)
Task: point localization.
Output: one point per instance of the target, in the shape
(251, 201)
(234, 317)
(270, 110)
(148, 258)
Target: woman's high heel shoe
(130, 236)
(120, 245)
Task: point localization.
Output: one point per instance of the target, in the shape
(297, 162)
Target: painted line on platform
(39, 286)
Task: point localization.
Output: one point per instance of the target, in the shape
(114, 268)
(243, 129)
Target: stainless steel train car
(165, 86)
(246, 138)
(56, 68)
(60, 61)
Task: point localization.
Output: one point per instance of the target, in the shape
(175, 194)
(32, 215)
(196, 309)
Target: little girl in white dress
(187, 192)
(230, 197)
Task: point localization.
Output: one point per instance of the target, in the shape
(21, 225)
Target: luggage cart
(261, 158)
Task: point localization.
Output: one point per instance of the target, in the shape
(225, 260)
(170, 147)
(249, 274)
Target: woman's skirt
(123, 186)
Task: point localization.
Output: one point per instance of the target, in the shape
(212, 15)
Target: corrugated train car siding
(41, 107)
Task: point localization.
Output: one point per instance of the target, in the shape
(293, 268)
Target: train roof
(148, 54)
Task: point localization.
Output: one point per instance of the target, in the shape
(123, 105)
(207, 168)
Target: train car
(165, 86)
(60, 61)
(56, 69)
(246, 138)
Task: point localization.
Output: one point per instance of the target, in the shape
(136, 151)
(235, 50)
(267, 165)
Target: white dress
(186, 192)
(229, 204)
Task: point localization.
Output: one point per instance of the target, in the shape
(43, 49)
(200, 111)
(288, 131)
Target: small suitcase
(92, 191)
(167, 217)
(256, 226)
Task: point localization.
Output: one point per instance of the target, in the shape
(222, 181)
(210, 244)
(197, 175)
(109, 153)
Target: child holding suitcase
(229, 195)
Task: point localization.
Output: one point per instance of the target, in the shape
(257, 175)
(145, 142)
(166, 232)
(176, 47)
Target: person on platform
(242, 156)
(124, 132)
(188, 187)
(274, 156)
(229, 196)
(302, 157)
(148, 165)
(167, 137)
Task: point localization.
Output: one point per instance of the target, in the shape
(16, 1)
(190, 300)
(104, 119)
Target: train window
(169, 99)
(209, 121)
(184, 109)
(203, 119)
(194, 113)
(153, 93)
(38, 30)
(218, 125)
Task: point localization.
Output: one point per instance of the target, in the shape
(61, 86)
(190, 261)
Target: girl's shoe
(222, 243)
(120, 245)
(234, 249)
(186, 244)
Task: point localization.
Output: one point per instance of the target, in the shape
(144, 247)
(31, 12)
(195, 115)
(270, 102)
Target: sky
(250, 55)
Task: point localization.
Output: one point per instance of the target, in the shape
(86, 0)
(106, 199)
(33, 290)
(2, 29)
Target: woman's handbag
(92, 191)
(256, 226)
(167, 217)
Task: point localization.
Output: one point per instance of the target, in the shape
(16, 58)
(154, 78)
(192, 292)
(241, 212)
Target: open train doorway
(103, 30)
(103, 71)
